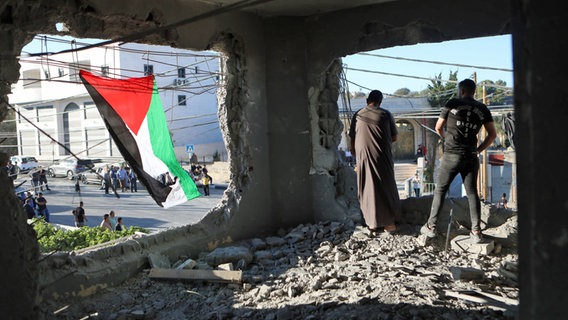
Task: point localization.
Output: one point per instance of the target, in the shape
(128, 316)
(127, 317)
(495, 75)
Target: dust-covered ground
(324, 271)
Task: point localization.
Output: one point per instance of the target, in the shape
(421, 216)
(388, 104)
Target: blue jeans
(468, 167)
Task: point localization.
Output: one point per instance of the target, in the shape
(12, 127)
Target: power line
(419, 78)
(435, 62)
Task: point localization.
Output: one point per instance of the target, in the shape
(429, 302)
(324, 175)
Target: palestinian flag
(134, 116)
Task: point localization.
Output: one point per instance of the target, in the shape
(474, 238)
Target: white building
(51, 95)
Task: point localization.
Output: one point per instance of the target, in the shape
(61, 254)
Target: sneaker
(475, 237)
(427, 231)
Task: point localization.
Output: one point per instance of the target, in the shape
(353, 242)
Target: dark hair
(468, 84)
(106, 216)
(375, 96)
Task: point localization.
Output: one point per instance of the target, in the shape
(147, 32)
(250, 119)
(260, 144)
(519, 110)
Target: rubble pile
(322, 271)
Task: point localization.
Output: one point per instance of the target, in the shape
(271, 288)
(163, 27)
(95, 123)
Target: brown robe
(372, 130)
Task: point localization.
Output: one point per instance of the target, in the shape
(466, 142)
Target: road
(136, 209)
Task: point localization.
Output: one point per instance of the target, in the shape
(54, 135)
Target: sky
(494, 52)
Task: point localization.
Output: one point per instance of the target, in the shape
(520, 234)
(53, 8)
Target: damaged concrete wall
(280, 124)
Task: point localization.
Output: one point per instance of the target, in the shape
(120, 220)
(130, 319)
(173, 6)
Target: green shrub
(53, 239)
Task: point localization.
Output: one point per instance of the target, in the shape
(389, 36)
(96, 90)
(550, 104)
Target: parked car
(24, 163)
(70, 168)
(95, 175)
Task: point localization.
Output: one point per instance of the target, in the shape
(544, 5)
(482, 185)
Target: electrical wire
(142, 34)
(434, 62)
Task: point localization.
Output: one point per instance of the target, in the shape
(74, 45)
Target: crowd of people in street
(201, 174)
(120, 178)
(109, 222)
(35, 207)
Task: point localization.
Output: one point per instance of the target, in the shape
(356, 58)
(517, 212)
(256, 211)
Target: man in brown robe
(372, 133)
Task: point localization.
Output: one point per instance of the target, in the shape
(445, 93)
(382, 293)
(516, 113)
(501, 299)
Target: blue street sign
(189, 148)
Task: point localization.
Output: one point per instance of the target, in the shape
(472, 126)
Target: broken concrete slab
(207, 275)
(462, 243)
(158, 261)
(229, 254)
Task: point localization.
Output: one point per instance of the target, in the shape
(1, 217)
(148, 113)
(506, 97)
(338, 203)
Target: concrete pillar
(288, 120)
(540, 101)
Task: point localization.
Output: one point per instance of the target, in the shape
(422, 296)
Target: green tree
(402, 92)
(494, 92)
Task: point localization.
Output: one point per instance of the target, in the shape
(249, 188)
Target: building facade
(53, 104)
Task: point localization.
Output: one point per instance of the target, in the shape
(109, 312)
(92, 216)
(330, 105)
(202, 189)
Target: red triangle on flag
(130, 98)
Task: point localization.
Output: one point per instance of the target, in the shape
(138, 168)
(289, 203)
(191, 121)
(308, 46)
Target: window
(32, 78)
(105, 70)
(148, 69)
(61, 72)
(181, 72)
(182, 100)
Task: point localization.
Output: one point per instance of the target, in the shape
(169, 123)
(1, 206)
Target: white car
(24, 163)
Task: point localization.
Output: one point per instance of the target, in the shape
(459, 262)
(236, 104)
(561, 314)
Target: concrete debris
(321, 271)
(462, 243)
(187, 264)
(459, 273)
(158, 261)
(229, 254)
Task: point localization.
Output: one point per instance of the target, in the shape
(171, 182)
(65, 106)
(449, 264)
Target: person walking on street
(463, 118)
(119, 225)
(133, 181)
(503, 201)
(34, 174)
(106, 179)
(416, 185)
(206, 181)
(106, 223)
(30, 197)
(42, 210)
(80, 216)
(112, 219)
(29, 209)
(43, 179)
(122, 177)
(372, 133)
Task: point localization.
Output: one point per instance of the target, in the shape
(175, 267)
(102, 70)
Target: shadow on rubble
(364, 309)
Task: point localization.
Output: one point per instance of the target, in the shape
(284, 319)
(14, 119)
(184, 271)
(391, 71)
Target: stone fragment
(226, 266)
(187, 264)
(159, 261)
(258, 244)
(263, 255)
(228, 254)
(462, 243)
(275, 241)
(466, 274)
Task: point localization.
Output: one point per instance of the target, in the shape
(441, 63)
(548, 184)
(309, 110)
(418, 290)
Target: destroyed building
(281, 95)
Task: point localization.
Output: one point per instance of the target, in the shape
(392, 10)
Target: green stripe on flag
(163, 147)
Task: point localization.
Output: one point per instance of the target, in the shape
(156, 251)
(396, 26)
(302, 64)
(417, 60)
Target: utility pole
(484, 156)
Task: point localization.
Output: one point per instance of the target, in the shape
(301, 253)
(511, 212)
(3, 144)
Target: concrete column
(288, 120)
(540, 101)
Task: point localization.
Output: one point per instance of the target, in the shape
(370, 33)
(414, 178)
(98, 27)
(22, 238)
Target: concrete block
(461, 273)
(226, 266)
(462, 243)
(187, 264)
(158, 261)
